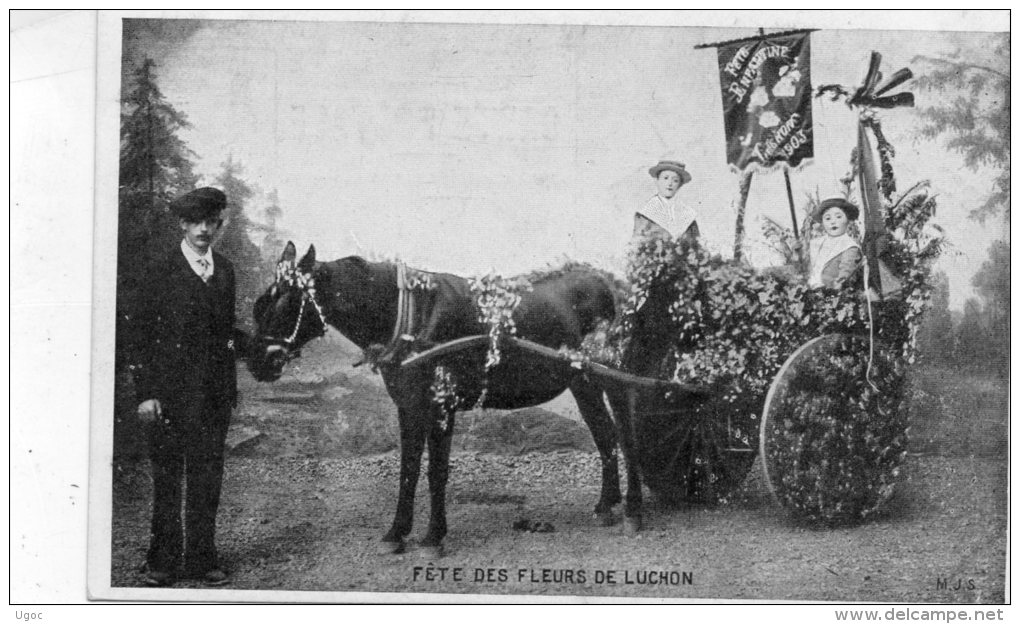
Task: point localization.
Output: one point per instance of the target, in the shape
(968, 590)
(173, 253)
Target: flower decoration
(445, 395)
(288, 274)
(496, 298)
(732, 327)
(419, 280)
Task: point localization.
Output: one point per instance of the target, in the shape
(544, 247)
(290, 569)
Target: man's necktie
(204, 264)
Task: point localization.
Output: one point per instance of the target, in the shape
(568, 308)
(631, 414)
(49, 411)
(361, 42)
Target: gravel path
(313, 524)
(312, 486)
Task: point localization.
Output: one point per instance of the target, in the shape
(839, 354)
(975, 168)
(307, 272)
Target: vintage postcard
(468, 307)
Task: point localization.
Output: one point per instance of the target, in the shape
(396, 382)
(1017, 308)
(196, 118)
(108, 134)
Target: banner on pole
(766, 95)
(873, 218)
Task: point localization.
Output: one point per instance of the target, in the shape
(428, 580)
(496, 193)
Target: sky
(480, 147)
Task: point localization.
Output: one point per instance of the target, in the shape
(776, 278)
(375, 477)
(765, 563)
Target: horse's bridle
(287, 273)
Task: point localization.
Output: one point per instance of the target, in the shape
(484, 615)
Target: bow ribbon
(872, 92)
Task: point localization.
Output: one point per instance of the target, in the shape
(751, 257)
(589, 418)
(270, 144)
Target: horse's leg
(623, 404)
(412, 443)
(439, 439)
(593, 411)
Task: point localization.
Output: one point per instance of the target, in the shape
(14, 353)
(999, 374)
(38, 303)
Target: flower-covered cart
(722, 363)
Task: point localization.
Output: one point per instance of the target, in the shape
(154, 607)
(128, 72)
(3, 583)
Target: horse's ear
(289, 253)
(308, 262)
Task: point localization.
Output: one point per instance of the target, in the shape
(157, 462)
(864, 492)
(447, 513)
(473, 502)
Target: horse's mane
(550, 271)
(619, 286)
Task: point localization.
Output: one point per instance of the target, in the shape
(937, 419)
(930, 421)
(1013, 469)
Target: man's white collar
(194, 257)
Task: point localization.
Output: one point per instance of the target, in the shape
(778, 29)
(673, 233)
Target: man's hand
(149, 411)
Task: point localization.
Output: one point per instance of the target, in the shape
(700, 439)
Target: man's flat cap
(200, 204)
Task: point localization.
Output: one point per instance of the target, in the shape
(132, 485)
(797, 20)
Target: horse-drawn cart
(706, 365)
(697, 443)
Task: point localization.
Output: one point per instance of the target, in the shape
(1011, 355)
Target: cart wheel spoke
(681, 449)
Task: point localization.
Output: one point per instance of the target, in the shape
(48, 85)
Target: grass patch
(958, 412)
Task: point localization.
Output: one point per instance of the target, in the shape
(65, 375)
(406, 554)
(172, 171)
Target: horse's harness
(404, 327)
(410, 285)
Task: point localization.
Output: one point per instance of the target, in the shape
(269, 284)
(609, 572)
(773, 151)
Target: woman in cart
(835, 256)
(664, 215)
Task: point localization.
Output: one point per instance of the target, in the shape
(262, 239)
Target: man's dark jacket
(184, 331)
(184, 356)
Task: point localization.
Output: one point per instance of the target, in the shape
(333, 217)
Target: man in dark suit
(186, 381)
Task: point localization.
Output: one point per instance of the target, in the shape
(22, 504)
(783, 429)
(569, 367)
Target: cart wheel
(833, 430)
(696, 452)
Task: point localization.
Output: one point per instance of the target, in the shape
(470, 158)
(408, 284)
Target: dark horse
(361, 300)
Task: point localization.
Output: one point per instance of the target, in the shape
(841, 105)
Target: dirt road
(312, 487)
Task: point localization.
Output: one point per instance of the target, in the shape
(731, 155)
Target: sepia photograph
(550, 307)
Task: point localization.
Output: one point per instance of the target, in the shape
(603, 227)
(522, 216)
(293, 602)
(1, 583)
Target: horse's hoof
(391, 548)
(605, 518)
(631, 525)
(434, 551)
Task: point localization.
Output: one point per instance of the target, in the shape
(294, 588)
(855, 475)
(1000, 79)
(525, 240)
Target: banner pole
(745, 190)
(793, 211)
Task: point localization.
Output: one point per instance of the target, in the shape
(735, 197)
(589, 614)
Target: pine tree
(155, 166)
(273, 211)
(273, 241)
(235, 241)
(992, 284)
(973, 338)
(935, 335)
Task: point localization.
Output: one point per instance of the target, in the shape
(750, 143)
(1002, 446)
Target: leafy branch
(976, 117)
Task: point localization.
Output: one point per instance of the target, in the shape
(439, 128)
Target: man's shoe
(215, 577)
(157, 578)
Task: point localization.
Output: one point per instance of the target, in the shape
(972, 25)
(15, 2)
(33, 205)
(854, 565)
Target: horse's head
(286, 316)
